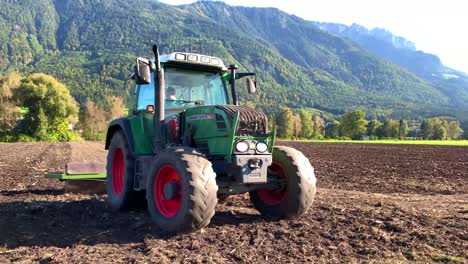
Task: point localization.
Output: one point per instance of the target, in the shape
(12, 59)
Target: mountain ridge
(90, 44)
(451, 82)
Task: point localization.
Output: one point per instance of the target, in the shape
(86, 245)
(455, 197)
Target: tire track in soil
(358, 224)
(30, 162)
(417, 169)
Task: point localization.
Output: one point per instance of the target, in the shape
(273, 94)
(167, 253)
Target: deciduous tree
(307, 124)
(332, 130)
(391, 128)
(319, 124)
(374, 128)
(93, 122)
(353, 123)
(403, 129)
(51, 108)
(9, 111)
(454, 130)
(297, 126)
(285, 123)
(116, 107)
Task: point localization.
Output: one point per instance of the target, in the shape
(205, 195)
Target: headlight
(261, 147)
(242, 146)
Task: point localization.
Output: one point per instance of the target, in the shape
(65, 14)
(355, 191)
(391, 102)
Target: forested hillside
(90, 45)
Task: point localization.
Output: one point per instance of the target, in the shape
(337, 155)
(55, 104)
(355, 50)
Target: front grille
(251, 122)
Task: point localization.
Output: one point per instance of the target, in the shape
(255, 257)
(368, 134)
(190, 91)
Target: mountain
(91, 46)
(453, 83)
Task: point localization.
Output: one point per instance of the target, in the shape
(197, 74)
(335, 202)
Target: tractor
(189, 143)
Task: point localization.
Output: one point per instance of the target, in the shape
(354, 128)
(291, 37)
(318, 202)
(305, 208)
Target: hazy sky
(435, 26)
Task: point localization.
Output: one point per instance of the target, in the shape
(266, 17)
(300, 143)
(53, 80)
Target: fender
(124, 125)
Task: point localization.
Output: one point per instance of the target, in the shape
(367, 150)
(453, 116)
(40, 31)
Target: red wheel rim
(118, 171)
(273, 197)
(168, 207)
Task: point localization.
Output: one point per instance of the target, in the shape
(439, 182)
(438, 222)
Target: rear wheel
(120, 170)
(181, 191)
(295, 196)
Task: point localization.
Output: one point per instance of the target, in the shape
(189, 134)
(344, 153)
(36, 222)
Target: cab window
(186, 88)
(145, 95)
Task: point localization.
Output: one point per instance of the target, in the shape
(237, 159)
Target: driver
(170, 94)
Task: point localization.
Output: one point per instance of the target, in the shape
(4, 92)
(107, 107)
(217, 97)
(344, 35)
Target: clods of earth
(375, 203)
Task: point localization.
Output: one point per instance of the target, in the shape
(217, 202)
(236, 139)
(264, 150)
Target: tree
(391, 128)
(50, 108)
(297, 126)
(249, 104)
(285, 123)
(332, 130)
(9, 111)
(439, 132)
(374, 128)
(116, 107)
(403, 129)
(319, 124)
(353, 123)
(435, 128)
(426, 128)
(454, 130)
(307, 124)
(93, 122)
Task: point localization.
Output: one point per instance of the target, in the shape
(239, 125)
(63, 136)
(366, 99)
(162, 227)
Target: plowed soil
(375, 203)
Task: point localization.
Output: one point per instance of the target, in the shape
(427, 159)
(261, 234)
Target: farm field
(378, 203)
(393, 142)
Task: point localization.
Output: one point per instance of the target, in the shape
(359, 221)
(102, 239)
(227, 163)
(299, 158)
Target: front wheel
(295, 196)
(181, 190)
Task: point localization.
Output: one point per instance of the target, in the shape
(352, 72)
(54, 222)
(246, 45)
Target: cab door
(142, 120)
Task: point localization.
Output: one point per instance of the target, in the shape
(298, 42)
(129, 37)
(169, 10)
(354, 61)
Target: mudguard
(124, 125)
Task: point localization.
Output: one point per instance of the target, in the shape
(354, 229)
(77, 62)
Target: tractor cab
(190, 80)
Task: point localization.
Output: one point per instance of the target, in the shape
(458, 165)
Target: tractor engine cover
(251, 122)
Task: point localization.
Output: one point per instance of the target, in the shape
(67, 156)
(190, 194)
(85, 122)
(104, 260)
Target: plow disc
(79, 177)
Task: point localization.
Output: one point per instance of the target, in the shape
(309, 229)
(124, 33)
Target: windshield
(194, 87)
(186, 88)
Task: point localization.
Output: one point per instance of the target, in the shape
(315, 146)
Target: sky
(435, 26)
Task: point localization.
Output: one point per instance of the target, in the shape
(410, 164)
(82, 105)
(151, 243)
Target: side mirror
(251, 86)
(142, 73)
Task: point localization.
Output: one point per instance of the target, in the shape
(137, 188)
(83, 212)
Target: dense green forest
(90, 45)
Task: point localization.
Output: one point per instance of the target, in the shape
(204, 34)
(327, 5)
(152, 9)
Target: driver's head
(170, 93)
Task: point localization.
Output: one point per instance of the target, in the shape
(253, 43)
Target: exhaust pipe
(159, 97)
(159, 85)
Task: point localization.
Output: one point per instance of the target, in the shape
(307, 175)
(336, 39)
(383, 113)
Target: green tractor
(188, 144)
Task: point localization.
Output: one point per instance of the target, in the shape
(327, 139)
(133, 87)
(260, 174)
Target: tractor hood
(250, 122)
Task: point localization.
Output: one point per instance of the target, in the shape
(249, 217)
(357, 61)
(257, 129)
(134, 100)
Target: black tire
(195, 194)
(120, 193)
(297, 196)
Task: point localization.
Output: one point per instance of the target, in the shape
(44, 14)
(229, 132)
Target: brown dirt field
(375, 203)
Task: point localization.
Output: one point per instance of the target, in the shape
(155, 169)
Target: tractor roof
(194, 59)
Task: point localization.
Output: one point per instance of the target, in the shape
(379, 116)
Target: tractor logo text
(201, 117)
